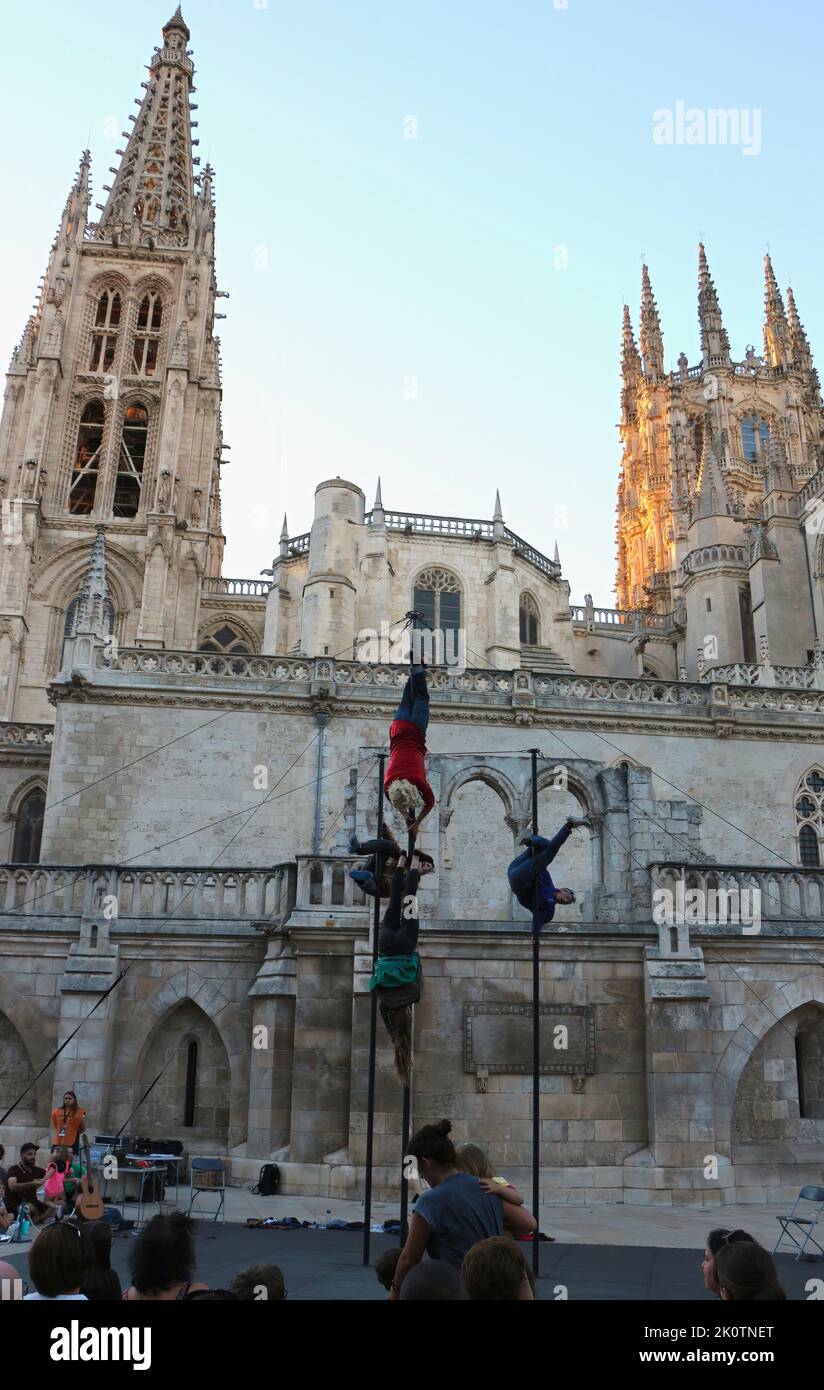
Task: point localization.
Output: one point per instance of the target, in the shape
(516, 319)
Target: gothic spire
(378, 497)
(711, 489)
(652, 342)
(776, 331)
(94, 603)
(497, 515)
(715, 343)
(778, 472)
(152, 199)
(631, 369)
(799, 342)
(284, 536)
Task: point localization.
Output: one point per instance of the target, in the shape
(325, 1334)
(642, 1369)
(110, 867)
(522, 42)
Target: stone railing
(784, 894)
(241, 588)
(812, 488)
(789, 677)
(636, 619)
(449, 686)
(323, 882)
(233, 895)
(462, 528)
(34, 736)
(533, 556)
(714, 555)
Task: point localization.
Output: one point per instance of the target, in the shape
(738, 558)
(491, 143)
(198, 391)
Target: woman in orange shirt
(68, 1123)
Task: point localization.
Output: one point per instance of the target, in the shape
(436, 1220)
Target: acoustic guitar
(89, 1201)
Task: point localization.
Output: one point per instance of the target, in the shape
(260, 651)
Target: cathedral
(184, 756)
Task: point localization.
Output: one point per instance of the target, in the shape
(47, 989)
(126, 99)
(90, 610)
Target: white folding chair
(803, 1224)
(206, 1177)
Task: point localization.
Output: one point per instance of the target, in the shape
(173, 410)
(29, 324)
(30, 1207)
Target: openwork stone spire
(715, 343)
(94, 605)
(776, 330)
(631, 369)
(652, 342)
(713, 497)
(152, 198)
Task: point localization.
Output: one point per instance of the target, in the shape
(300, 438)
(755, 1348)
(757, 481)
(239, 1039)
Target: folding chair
(807, 1194)
(207, 1175)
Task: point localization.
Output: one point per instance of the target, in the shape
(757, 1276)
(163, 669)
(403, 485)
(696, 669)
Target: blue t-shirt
(459, 1214)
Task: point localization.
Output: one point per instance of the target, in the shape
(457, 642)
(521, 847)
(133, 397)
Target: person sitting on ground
(495, 1271)
(66, 1165)
(405, 784)
(434, 1281)
(259, 1284)
(716, 1238)
(6, 1217)
(59, 1261)
(2, 1169)
(472, 1160)
(24, 1180)
(746, 1273)
(531, 867)
(101, 1284)
(163, 1261)
(397, 978)
(456, 1213)
(386, 1265)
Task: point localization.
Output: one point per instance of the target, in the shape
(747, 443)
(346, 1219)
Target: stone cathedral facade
(183, 755)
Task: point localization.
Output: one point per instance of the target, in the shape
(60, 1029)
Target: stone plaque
(498, 1038)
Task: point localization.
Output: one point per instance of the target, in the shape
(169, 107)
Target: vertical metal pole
(405, 1122)
(373, 1030)
(536, 1043)
(407, 1095)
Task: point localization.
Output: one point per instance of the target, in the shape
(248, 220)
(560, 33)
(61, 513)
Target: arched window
(225, 639)
(86, 468)
(71, 612)
(809, 818)
(28, 828)
(755, 437)
(809, 1061)
(529, 621)
(147, 337)
(104, 337)
(438, 597)
(130, 461)
(191, 1085)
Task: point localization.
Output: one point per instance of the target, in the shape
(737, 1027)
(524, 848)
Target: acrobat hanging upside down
(405, 784)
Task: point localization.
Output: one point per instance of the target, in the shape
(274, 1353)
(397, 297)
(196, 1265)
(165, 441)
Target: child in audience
(472, 1160)
(387, 1264)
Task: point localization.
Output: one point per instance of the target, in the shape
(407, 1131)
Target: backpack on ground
(268, 1181)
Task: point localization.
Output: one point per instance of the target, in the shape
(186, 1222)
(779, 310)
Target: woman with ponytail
(455, 1213)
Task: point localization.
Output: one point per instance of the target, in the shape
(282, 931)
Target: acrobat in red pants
(405, 784)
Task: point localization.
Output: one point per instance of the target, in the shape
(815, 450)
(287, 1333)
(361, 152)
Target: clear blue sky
(434, 258)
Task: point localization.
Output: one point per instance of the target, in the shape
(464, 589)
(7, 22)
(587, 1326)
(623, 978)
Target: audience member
(22, 1183)
(716, 1238)
(495, 1271)
(59, 1261)
(259, 1283)
(746, 1273)
(163, 1261)
(6, 1217)
(10, 1282)
(433, 1281)
(101, 1284)
(456, 1213)
(386, 1265)
(472, 1160)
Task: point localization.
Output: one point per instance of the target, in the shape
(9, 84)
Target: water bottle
(24, 1223)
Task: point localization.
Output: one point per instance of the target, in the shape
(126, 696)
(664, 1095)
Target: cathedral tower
(710, 516)
(112, 408)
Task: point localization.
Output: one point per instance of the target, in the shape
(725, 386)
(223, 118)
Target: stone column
(273, 1028)
(323, 1042)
